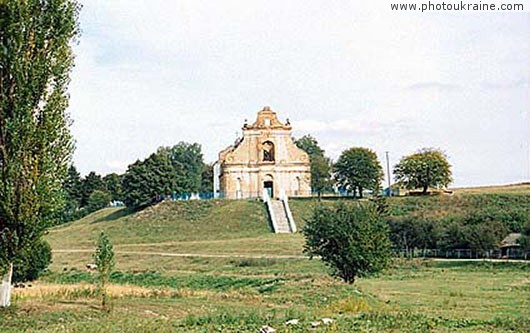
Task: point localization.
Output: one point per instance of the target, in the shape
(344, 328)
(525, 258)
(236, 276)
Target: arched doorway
(268, 185)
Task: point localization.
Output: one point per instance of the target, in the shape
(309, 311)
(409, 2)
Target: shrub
(32, 262)
(98, 200)
(485, 236)
(412, 232)
(525, 238)
(352, 239)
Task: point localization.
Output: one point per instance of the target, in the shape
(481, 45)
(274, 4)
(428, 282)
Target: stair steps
(282, 220)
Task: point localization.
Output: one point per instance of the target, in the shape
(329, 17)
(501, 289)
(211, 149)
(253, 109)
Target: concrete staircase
(280, 213)
(282, 220)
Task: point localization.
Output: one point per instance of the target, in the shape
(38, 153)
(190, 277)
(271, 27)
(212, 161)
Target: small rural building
(265, 158)
(510, 246)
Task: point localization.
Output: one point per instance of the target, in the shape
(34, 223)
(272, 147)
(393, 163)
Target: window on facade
(268, 151)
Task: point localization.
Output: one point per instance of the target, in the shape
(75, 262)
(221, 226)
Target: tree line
(479, 231)
(356, 238)
(168, 171)
(181, 169)
(358, 169)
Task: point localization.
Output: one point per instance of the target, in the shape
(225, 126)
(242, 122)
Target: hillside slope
(241, 228)
(521, 188)
(512, 208)
(210, 227)
(167, 221)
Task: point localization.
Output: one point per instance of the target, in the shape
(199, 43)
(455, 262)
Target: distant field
(511, 188)
(223, 286)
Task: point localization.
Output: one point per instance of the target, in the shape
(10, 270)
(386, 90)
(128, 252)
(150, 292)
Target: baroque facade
(264, 159)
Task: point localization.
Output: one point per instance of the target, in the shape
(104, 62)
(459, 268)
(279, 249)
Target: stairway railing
(287, 210)
(268, 203)
(289, 214)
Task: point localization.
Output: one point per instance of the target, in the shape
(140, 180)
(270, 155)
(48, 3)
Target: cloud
(152, 73)
(522, 83)
(434, 86)
(354, 126)
(118, 166)
(327, 126)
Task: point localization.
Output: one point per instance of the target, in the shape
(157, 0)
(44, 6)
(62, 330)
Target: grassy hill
(513, 208)
(213, 227)
(198, 266)
(523, 188)
(167, 222)
(240, 227)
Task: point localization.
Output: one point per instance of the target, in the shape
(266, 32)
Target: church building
(264, 159)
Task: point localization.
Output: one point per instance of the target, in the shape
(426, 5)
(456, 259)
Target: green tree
(145, 182)
(73, 186)
(207, 179)
(188, 164)
(524, 241)
(424, 169)
(479, 236)
(352, 239)
(485, 236)
(91, 183)
(73, 189)
(113, 185)
(35, 141)
(454, 236)
(320, 165)
(382, 205)
(310, 145)
(104, 260)
(98, 200)
(358, 169)
(320, 174)
(412, 232)
(32, 261)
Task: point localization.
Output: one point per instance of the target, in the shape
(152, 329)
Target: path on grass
(254, 256)
(192, 255)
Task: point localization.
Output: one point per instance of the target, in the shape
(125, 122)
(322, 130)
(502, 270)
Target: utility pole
(388, 174)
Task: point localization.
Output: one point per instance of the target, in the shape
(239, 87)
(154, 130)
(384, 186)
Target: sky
(350, 73)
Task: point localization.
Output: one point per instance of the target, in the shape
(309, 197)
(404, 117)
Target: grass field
(241, 295)
(512, 188)
(214, 266)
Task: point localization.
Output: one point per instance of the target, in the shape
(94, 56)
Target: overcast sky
(156, 72)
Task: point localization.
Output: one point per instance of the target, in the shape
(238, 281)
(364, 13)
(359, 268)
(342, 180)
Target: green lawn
(240, 295)
(167, 222)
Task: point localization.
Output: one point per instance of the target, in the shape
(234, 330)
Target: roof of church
(267, 119)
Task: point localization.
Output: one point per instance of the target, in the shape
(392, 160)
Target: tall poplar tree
(35, 142)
